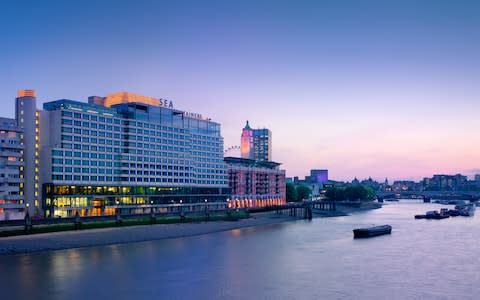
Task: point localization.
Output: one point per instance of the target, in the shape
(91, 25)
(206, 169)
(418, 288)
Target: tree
(303, 192)
(356, 192)
(292, 195)
(336, 194)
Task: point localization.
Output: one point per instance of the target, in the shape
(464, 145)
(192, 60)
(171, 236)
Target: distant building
(11, 168)
(442, 182)
(476, 181)
(256, 144)
(255, 183)
(404, 186)
(317, 176)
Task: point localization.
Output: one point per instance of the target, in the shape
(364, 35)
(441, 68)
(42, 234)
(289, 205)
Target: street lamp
(206, 210)
(152, 213)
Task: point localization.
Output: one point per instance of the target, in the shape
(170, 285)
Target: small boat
(467, 210)
(435, 215)
(420, 216)
(454, 212)
(372, 231)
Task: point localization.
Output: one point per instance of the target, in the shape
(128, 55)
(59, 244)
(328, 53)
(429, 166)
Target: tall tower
(256, 143)
(246, 145)
(28, 119)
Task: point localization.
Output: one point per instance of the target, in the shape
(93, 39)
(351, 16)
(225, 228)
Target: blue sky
(363, 88)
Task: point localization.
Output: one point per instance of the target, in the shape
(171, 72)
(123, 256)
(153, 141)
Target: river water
(318, 259)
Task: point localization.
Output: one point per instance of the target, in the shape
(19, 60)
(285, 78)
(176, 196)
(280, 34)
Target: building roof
(127, 97)
(251, 162)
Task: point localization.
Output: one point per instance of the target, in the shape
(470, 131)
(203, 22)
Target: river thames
(318, 259)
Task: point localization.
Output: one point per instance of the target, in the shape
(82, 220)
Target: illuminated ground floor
(241, 201)
(66, 201)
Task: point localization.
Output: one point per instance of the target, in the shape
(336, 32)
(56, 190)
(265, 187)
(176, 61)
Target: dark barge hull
(372, 231)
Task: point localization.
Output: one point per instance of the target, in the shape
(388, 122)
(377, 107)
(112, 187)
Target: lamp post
(207, 215)
(118, 217)
(28, 221)
(152, 212)
(182, 215)
(228, 208)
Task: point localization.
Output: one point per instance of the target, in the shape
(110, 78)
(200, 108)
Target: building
(442, 182)
(256, 144)
(404, 186)
(11, 168)
(28, 119)
(124, 152)
(255, 183)
(317, 176)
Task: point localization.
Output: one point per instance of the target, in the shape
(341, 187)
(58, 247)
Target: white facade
(11, 164)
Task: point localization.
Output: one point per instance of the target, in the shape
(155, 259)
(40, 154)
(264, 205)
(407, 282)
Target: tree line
(350, 193)
(297, 193)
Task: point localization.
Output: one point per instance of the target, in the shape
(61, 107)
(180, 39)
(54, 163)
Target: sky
(361, 88)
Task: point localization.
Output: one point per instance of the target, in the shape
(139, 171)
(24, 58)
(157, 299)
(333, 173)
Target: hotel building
(11, 168)
(255, 183)
(121, 152)
(256, 144)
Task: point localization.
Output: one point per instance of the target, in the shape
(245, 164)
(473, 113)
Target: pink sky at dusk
(362, 88)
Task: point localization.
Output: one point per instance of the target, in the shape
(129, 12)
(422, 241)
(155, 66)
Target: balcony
(11, 146)
(6, 153)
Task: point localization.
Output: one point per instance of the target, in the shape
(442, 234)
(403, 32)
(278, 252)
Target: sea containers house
(127, 152)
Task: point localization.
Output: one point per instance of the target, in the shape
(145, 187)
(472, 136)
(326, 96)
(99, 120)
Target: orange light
(26, 93)
(126, 97)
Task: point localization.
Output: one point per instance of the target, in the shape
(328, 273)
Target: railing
(160, 210)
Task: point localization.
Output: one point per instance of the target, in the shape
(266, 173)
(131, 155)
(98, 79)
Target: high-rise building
(121, 153)
(256, 144)
(11, 168)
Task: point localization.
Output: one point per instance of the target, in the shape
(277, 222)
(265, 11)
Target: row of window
(108, 163)
(134, 179)
(92, 117)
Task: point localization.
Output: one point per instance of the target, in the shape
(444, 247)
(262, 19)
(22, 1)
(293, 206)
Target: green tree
(370, 193)
(336, 194)
(330, 193)
(291, 192)
(356, 192)
(303, 192)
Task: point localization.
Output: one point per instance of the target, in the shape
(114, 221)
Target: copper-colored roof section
(26, 93)
(126, 97)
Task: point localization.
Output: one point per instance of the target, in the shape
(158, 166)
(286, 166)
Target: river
(318, 259)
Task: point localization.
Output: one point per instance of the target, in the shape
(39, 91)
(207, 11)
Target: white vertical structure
(28, 120)
(11, 183)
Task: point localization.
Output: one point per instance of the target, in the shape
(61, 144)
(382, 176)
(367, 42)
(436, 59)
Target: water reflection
(296, 260)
